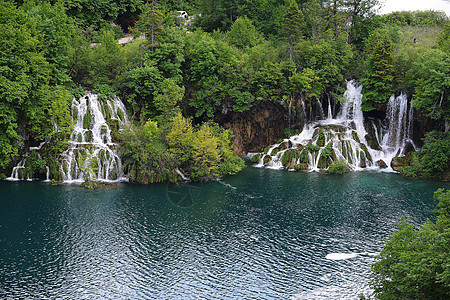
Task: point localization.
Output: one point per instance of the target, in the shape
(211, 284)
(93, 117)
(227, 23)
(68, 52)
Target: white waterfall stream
(20, 172)
(323, 142)
(91, 153)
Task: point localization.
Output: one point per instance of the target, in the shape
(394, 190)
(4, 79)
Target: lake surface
(263, 234)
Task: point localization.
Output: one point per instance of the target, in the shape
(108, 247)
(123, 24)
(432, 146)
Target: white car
(182, 14)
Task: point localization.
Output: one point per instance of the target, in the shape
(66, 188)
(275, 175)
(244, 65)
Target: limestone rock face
(257, 128)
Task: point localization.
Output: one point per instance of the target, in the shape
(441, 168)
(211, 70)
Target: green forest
(178, 77)
(230, 56)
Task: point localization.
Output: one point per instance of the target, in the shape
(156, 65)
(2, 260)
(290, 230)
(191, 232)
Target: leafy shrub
(415, 263)
(432, 161)
(256, 158)
(338, 167)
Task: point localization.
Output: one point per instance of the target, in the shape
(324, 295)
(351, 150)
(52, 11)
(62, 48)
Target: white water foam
(91, 153)
(346, 135)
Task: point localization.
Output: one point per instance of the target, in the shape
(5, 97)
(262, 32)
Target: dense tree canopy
(415, 263)
(236, 55)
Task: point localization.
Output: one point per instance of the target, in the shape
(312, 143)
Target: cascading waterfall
(91, 153)
(343, 138)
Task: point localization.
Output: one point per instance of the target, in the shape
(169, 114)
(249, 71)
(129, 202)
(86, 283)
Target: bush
(256, 158)
(432, 161)
(338, 167)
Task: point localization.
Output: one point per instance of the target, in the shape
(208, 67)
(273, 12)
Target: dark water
(263, 234)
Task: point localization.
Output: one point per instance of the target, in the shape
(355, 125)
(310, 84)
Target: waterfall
(20, 171)
(330, 114)
(91, 153)
(343, 138)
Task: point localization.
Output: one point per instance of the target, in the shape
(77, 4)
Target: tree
(180, 138)
(205, 154)
(150, 22)
(431, 73)
(415, 263)
(167, 99)
(58, 30)
(24, 77)
(243, 33)
(142, 85)
(433, 160)
(379, 77)
(361, 14)
(293, 26)
(444, 38)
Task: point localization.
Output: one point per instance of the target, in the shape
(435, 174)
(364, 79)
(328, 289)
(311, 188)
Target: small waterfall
(20, 171)
(91, 153)
(303, 109)
(330, 114)
(343, 138)
(396, 117)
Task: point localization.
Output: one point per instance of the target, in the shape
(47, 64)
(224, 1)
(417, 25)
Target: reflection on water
(261, 234)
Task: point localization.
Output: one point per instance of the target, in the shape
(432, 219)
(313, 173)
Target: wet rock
(362, 163)
(398, 162)
(380, 163)
(301, 167)
(267, 159)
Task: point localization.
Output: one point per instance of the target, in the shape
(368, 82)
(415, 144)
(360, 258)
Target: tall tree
(293, 26)
(151, 22)
(379, 78)
(167, 99)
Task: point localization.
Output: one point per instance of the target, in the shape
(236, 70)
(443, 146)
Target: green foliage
(379, 77)
(167, 99)
(313, 148)
(150, 22)
(145, 156)
(415, 263)
(100, 64)
(142, 85)
(433, 160)
(243, 33)
(98, 13)
(444, 38)
(58, 31)
(324, 64)
(289, 157)
(293, 26)
(338, 167)
(153, 154)
(416, 18)
(256, 158)
(24, 77)
(432, 84)
(205, 154)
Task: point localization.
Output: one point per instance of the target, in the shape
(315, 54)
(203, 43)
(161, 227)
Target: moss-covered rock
(256, 158)
(281, 147)
(267, 159)
(289, 158)
(399, 162)
(338, 167)
(301, 167)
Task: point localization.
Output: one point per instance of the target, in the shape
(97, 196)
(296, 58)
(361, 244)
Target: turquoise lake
(262, 234)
